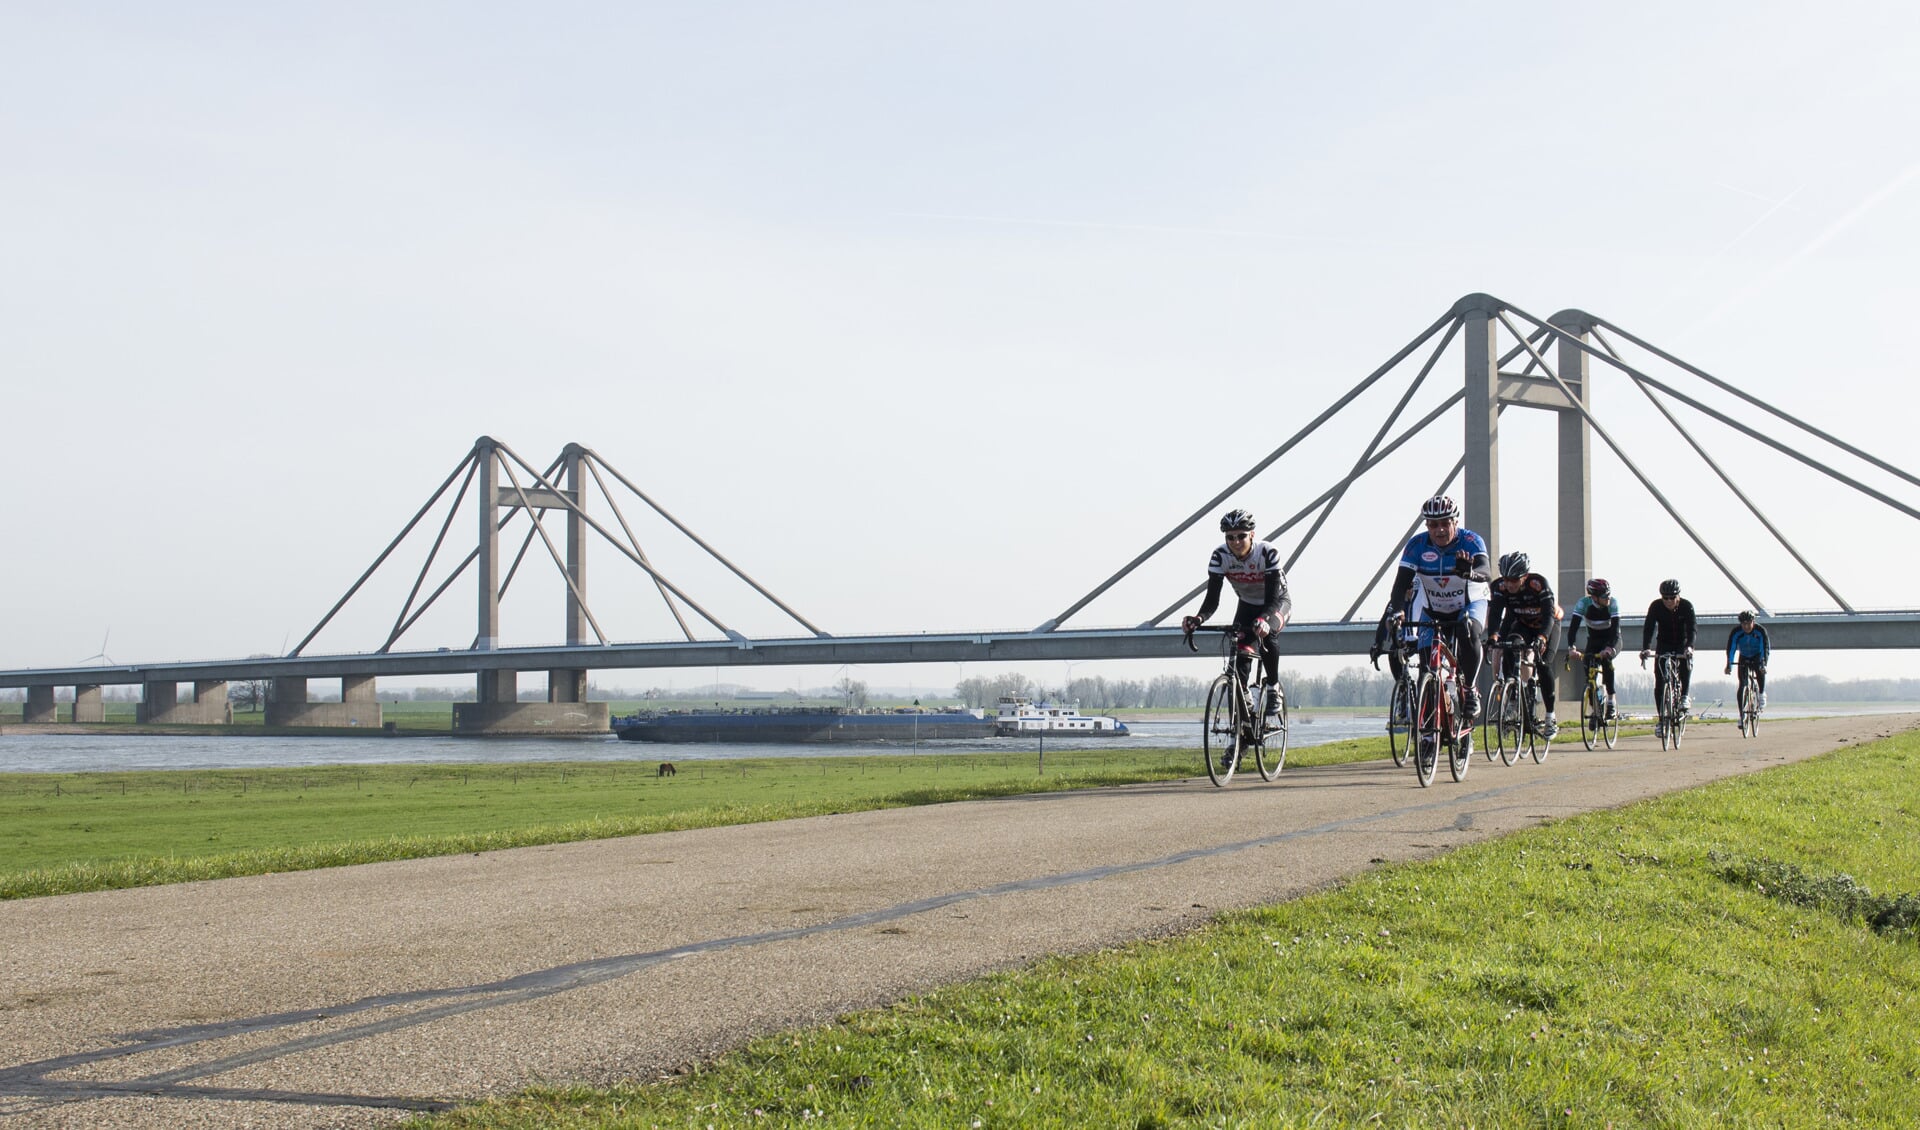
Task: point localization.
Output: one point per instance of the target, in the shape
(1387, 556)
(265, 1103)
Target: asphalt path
(350, 997)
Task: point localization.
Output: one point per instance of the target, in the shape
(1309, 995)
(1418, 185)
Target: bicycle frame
(1437, 714)
(1234, 720)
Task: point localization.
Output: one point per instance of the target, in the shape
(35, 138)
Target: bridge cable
(1725, 478)
(1400, 547)
(574, 506)
(1763, 405)
(615, 505)
(407, 529)
(1262, 465)
(427, 565)
(1735, 424)
(1361, 463)
(697, 540)
(1300, 515)
(1624, 458)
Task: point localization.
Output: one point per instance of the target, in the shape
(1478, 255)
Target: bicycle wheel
(1493, 719)
(1536, 716)
(1677, 728)
(1270, 755)
(1664, 714)
(1400, 720)
(1590, 714)
(1752, 708)
(1610, 726)
(1220, 730)
(1460, 743)
(1512, 723)
(1426, 729)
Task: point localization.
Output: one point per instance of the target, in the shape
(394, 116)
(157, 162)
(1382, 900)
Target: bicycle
(1595, 725)
(1400, 702)
(1519, 718)
(1672, 723)
(1749, 698)
(1233, 722)
(1436, 709)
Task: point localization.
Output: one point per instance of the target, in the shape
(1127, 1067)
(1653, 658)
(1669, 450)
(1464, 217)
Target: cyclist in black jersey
(1253, 567)
(1670, 622)
(1522, 605)
(1600, 612)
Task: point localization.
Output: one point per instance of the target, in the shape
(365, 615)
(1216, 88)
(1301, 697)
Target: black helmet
(1598, 588)
(1439, 507)
(1746, 615)
(1669, 588)
(1514, 564)
(1236, 520)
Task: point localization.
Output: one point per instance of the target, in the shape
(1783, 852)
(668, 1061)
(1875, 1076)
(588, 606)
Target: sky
(929, 317)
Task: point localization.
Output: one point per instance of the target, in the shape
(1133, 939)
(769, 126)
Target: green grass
(1734, 955)
(67, 832)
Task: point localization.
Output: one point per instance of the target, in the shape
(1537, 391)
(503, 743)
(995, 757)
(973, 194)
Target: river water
(81, 752)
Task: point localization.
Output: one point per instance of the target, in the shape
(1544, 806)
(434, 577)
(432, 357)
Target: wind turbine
(105, 659)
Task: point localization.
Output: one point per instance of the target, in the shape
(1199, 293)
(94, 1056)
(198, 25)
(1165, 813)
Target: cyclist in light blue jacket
(1747, 645)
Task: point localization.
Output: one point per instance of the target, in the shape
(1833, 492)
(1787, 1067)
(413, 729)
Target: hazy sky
(929, 316)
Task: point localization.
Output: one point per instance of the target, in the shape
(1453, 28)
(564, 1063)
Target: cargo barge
(802, 724)
(1021, 717)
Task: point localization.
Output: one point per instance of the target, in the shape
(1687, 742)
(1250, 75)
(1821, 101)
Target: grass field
(1743, 954)
(67, 832)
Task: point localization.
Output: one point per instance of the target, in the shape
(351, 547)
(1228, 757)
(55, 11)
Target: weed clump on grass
(1837, 894)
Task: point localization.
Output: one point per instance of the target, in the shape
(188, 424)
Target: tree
(853, 693)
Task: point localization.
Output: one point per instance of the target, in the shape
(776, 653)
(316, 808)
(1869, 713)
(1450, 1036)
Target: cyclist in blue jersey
(1600, 612)
(1253, 568)
(1747, 644)
(1443, 577)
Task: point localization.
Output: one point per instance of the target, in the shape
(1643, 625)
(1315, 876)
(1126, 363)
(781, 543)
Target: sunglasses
(1240, 537)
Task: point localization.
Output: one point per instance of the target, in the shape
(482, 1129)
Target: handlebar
(1187, 633)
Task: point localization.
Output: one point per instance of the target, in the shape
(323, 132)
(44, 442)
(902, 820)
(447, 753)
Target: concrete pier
(39, 709)
(479, 719)
(160, 702)
(87, 704)
(358, 708)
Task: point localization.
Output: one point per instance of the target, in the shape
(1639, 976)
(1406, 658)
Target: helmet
(1439, 507)
(1599, 589)
(1236, 520)
(1669, 588)
(1514, 564)
(1746, 615)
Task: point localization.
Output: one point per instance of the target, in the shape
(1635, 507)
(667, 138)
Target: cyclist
(1670, 622)
(1600, 612)
(1253, 568)
(1450, 565)
(1387, 634)
(1522, 605)
(1748, 644)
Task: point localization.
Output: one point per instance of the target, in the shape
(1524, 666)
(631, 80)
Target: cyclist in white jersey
(1252, 567)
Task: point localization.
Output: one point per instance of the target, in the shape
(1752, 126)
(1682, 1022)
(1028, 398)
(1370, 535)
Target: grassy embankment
(67, 832)
(1743, 954)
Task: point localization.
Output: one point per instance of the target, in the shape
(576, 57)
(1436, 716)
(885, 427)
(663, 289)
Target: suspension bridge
(1508, 359)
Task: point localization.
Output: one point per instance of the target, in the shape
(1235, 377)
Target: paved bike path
(350, 996)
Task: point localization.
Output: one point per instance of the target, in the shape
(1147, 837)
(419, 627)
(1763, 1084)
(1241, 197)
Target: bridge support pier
(567, 685)
(39, 709)
(160, 702)
(358, 708)
(87, 706)
(498, 712)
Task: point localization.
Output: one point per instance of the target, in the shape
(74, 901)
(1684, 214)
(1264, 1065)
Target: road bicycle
(1517, 713)
(1400, 702)
(1749, 700)
(1596, 724)
(1233, 724)
(1437, 709)
(1672, 721)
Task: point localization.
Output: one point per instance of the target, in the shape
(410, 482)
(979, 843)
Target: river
(83, 752)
